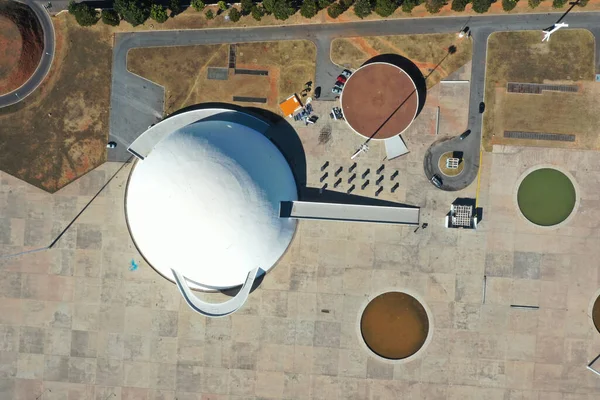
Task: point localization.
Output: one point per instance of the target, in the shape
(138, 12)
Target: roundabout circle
(546, 196)
(445, 170)
(395, 326)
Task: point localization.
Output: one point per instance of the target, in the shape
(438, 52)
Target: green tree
(385, 8)
(110, 17)
(158, 13)
(283, 9)
(408, 5)
(209, 14)
(309, 8)
(508, 5)
(434, 6)
(558, 3)
(257, 12)
(533, 3)
(459, 5)
(198, 5)
(222, 5)
(234, 14)
(362, 8)
(84, 14)
(246, 6)
(346, 4)
(135, 12)
(323, 4)
(335, 10)
(175, 7)
(268, 5)
(481, 6)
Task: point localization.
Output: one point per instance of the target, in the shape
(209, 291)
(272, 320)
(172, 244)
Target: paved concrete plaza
(76, 323)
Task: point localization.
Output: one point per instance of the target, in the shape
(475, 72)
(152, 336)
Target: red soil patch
(21, 45)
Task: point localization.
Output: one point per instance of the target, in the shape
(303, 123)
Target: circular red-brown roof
(379, 99)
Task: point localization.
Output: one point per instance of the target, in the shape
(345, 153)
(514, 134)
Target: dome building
(202, 203)
(379, 100)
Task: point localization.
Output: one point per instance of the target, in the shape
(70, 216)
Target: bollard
(378, 181)
(351, 189)
(380, 169)
(324, 166)
(395, 187)
(394, 175)
(352, 167)
(378, 191)
(351, 178)
(337, 183)
(364, 175)
(340, 169)
(324, 177)
(322, 189)
(364, 185)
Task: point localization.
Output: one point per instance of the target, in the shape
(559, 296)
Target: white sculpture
(552, 29)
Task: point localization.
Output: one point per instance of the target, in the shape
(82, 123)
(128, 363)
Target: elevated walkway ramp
(349, 212)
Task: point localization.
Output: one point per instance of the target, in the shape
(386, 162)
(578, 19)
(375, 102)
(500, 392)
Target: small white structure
(452, 163)
(462, 216)
(549, 31)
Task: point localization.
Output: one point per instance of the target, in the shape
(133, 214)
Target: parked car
(437, 181)
(341, 79)
(464, 134)
(337, 89)
(346, 73)
(317, 92)
(481, 107)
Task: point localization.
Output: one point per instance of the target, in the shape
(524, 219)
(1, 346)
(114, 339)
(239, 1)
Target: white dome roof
(205, 201)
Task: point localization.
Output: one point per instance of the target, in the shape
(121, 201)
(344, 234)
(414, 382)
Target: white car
(346, 73)
(337, 89)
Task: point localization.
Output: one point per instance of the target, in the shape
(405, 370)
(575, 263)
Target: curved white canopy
(205, 201)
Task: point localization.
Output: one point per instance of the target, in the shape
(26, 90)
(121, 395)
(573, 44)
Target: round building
(379, 100)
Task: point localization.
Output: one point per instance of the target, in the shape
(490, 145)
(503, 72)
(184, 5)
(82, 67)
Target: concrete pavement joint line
(43, 67)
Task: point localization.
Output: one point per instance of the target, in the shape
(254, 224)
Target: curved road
(46, 61)
(137, 103)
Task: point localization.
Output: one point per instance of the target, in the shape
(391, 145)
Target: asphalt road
(137, 103)
(46, 61)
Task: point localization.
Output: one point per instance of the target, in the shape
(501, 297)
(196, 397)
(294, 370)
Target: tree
(246, 7)
(135, 12)
(323, 4)
(558, 3)
(283, 9)
(408, 5)
(110, 17)
(257, 12)
(385, 8)
(434, 6)
(346, 4)
(309, 8)
(158, 13)
(175, 7)
(234, 14)
(459, 5)
(534, 3)
(481, 6)
(335, 10)
(198, 5)
(362, 8)
(508, 5)
(84, 14)
(222, 5)
(268, 5)
(209, 14)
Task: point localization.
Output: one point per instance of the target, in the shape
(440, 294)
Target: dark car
(437, 181)
(481, 107)
(317, 92)
(464, 134)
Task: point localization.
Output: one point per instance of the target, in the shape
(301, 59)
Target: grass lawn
(426, 51)
(59, 132)
(568, 58)
(183, 72)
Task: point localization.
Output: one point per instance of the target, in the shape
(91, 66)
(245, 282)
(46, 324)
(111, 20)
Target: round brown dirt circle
(21, 45)
(596, 314)
(447, 171)
(394, 325)
(379, 99)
